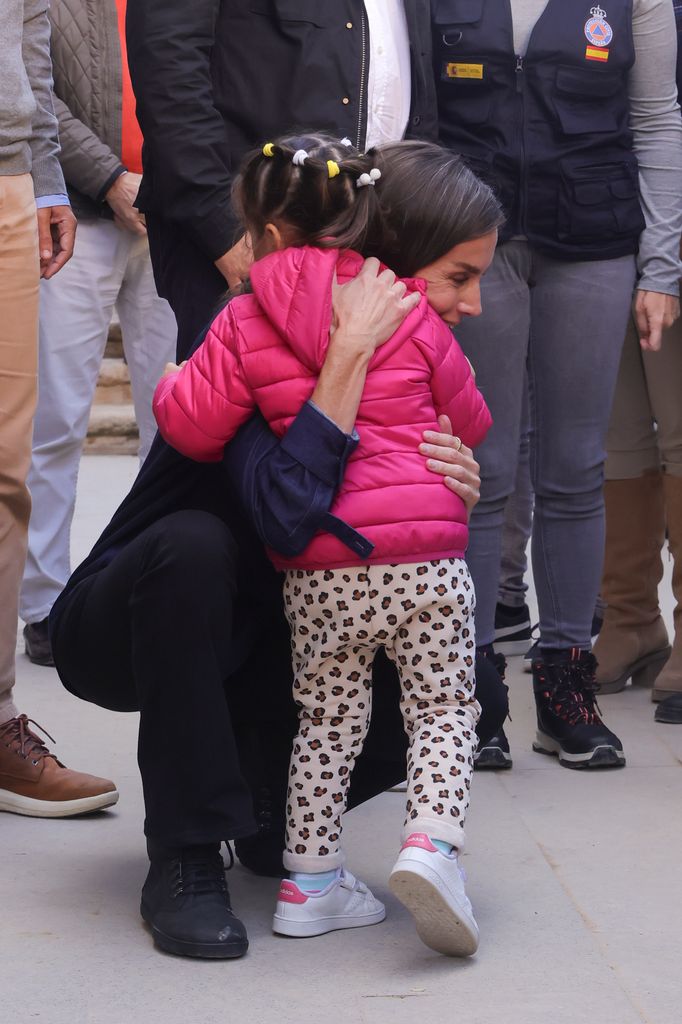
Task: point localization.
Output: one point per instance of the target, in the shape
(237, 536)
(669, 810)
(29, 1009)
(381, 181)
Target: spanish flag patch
(595, 53)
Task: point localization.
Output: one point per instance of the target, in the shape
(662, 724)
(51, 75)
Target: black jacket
(213, 78)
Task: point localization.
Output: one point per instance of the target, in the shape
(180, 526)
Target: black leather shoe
(669, 710)
(37, 644)
(186, 903)
(569, 725)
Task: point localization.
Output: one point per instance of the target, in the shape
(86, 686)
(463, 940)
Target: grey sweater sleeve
(47, 173)
(657, 127)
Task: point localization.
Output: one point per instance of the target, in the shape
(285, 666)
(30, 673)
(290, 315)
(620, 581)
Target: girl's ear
(272, 238)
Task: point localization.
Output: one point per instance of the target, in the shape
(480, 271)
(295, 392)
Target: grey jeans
(517, 526)
(565, 324)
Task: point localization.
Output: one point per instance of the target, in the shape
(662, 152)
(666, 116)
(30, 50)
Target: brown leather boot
(633, 642)
(34, 782)
(669, 681)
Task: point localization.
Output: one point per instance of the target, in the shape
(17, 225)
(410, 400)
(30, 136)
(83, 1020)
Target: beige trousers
(645, 432)
(19, 280)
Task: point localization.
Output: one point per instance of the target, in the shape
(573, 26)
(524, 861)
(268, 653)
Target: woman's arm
(657, 129)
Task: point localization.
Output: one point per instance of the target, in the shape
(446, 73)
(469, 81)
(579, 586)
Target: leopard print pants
(423, 615)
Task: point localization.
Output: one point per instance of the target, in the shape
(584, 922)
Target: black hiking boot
(186, 903)
(569, 724)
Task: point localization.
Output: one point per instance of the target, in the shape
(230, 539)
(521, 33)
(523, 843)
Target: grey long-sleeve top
(657, 128)
(28, 126)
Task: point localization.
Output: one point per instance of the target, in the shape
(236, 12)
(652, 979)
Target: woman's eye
(459, 281)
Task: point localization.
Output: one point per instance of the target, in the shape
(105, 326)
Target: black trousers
(167, 629)
(186, 278)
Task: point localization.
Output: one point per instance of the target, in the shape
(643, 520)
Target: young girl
(390, 571)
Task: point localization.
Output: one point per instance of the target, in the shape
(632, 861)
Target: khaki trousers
(19, 280)
(645, 432)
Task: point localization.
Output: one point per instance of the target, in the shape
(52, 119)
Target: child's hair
(321, 188)
(430, 202)
(408, 203)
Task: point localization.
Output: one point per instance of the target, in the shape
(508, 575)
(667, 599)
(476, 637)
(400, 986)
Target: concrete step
(113, 384)
(112, 430)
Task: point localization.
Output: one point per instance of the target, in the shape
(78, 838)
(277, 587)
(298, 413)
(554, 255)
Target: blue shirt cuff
(319, 445)
(57, 200)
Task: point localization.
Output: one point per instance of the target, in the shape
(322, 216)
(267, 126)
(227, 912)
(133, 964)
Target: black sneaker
(37, 644)
(669, 710)
(569, 725)
(186, 903)
(512, 629)
(494, 755)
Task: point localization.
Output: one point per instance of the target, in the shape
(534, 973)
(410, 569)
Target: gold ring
(459, 444)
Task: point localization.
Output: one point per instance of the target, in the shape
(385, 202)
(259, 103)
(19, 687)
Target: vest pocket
(579, 100)
(456, 12)
(468, 88)
(599, 202)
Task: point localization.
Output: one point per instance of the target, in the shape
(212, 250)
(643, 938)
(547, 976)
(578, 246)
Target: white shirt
(389, 86)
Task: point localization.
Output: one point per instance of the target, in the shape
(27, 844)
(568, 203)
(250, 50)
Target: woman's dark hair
(430, 202)
(424, 203)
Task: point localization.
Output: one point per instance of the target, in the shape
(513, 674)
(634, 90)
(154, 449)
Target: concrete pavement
(575, 879)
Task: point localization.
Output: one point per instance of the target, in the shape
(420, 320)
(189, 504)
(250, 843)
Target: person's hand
(371, 307)
(173, 368)
(445, 454)
(654, 313)
(235, 264)
(56, 237)
(121, 198)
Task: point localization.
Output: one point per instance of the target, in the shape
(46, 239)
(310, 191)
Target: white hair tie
(299, 157)
(370, 178)
(346, 142)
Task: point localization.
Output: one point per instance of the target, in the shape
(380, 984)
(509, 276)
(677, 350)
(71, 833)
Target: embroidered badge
(597, 29)
(464, 70)
(592, 53)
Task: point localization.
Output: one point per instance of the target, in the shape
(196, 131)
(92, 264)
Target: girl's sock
(314, 882)
(447, 848)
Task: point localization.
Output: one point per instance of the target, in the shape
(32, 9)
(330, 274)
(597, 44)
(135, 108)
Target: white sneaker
(344, 903)
(431, 885)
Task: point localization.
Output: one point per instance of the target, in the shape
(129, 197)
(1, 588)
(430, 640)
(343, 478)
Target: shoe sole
(439, 925)
(32, 808)
(493, 759)
(47, 661)
(307, 929)
(200, 950)
(643, 672)
(604, 756)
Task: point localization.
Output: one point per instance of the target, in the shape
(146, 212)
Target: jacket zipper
(363, 77)
(523, 184)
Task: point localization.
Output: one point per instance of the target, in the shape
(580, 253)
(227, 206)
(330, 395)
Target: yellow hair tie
(333, 168)
(268, 149)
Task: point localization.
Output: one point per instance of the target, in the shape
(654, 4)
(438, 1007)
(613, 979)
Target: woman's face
(453, 282)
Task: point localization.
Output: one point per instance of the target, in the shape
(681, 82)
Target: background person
(36, 239)
(215, 77)
(572, 113)
(110, 270)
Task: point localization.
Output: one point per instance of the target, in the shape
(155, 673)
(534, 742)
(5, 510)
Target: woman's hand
(170, 368)
(370, 308)
(654, 313)
(445, 454)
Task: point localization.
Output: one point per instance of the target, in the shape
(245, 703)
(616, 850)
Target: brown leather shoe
(34, 782)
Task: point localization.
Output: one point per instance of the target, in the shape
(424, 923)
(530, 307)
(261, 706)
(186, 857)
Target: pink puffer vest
(266, 350)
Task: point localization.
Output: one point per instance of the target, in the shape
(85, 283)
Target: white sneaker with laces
(344, 903)
(431, 885)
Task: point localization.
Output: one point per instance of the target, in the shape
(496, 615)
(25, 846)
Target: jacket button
(416, 119)
(345, 101)
(349, 24)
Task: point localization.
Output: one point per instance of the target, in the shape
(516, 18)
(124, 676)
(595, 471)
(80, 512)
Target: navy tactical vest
(550, 131)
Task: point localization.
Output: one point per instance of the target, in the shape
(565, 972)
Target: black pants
(165, 629)
(186, 277)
